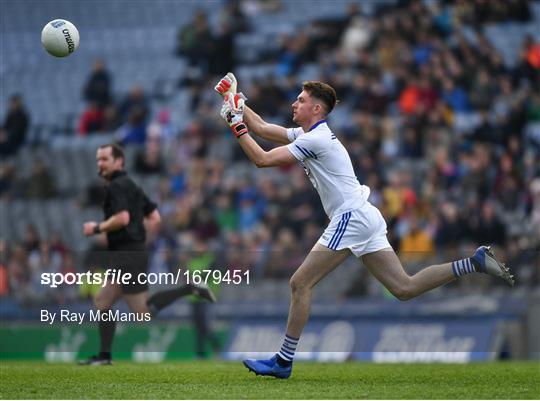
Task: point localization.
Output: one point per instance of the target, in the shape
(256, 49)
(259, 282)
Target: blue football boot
(268, 367)
(488, 264)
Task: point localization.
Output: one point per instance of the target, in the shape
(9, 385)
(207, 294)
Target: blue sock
(286, 353)
(463, 267)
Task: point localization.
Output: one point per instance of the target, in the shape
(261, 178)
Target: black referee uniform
(127, 245)
(127, 252)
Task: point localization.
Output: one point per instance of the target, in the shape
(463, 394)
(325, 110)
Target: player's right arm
(256, 124)
(271, 132)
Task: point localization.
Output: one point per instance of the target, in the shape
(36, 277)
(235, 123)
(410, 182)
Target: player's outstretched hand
(227, 84)
(232, 111)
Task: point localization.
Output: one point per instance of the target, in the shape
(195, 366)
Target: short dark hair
(323, 92)
(116, 150)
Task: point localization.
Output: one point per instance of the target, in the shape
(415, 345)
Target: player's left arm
(276, 157)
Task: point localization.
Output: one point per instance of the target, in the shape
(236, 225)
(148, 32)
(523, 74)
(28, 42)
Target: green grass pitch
(226, 380)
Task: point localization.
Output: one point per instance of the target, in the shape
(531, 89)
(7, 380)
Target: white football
(60, 38)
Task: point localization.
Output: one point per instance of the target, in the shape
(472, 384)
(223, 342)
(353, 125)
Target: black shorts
(130, 258)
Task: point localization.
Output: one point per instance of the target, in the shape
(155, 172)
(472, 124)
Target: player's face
(106, 163)
(303, 108)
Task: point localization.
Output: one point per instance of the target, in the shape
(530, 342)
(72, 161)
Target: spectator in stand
(133, 132)
(135, 101)
(412, 146)
(8, 180)
(149, 159)
(18, 269)
(202, 258)
(532, 53)
(532, 105)
(225, 214)
(451, 229)
(92, 119)
(284, 255)
(290, 54)
(486, 131)
(409, 100)
(42, 260)
(223, 55)
(488, 227)
(163, 129)
(195, 42)
(57, 245)
(483, 90)
(455, 96)
(4, 281)
(204, 225)
(357, 35)
(31, 240)
(98, 87)
(416, 245)
(233, 15)
(4, 276)
(111, 118)
(40, 184)
(15, 127)
(535, 213)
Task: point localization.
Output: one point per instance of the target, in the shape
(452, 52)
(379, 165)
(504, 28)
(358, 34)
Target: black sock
(160, 300)
(283, 362)
(106, 334)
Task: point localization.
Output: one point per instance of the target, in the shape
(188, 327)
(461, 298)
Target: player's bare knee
(403, 293)
(297, 285)
(293, 283)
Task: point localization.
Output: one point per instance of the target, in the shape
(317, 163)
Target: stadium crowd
(437, 124)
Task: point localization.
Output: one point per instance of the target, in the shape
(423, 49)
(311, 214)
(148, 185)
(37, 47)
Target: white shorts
(361, 230)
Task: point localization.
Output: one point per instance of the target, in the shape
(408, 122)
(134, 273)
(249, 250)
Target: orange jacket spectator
(416, 245)
(4, 285)
(533, 55)
(409, 99)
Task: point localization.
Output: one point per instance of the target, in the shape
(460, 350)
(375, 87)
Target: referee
(128, 212)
